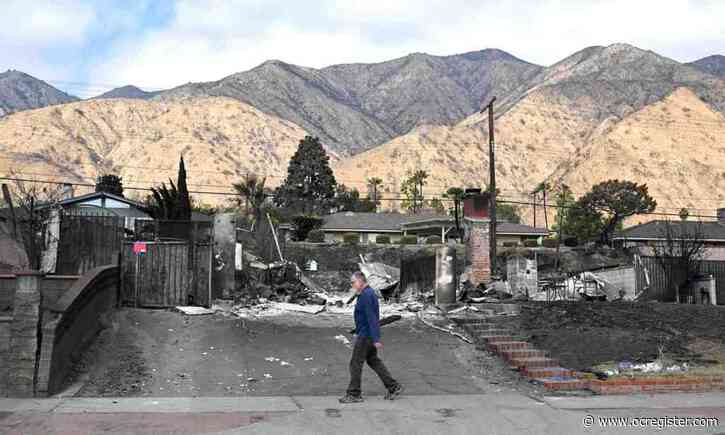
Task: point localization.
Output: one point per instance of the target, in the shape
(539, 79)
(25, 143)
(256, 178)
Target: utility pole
(533, 203)
(491, 186)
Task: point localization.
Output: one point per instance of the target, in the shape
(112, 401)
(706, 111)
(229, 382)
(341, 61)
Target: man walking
(367, 343)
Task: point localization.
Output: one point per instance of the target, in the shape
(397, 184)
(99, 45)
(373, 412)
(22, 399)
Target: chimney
(476, 220)
(721, 215)
(66, 191)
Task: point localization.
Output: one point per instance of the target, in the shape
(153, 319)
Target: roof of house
(655, 230)
(94, 195)
(345, 221)
(395, 222)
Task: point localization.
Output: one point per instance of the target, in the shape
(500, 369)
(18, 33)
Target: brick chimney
(476, 220)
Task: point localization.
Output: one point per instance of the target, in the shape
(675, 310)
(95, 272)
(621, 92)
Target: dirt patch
(583, 334)
(113, 366)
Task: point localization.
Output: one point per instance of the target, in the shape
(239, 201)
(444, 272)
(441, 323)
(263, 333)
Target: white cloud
(41, 22)
(210, 39)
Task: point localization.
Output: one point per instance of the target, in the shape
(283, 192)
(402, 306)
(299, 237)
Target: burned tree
(679, 251)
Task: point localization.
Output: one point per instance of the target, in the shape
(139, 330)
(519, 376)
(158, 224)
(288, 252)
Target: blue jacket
(367, 315)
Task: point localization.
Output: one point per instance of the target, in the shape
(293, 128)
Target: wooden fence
(87, 241)
(169, 273)
(654, 280)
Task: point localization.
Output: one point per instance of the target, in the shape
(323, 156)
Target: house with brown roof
(645, 235)
(368, 226)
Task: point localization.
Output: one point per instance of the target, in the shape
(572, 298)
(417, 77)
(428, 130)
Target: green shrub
(433, 240)
(409, 240)
(550, 243)
(531, 243)
(303, 224)
(351, 239)
(382, 240)
(316, 236)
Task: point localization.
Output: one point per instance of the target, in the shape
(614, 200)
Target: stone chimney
(476, 220)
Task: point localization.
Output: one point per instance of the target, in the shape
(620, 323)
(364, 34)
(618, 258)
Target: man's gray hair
(358, 275)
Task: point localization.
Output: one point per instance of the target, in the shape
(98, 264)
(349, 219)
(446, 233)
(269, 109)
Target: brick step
(546, 372)
(533, 362)
(515, 354)
(509, 345)
(563, 383)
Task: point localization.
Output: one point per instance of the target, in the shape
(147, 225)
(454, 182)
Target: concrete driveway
(164, 354)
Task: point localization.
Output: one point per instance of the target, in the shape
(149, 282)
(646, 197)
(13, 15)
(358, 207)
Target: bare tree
(34, 204)
(680, 251)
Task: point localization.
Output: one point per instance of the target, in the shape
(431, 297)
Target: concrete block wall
(72, 322)
(24, 343)
(53, 319)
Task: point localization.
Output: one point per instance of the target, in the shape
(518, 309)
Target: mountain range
(20, 91)
(603, 112)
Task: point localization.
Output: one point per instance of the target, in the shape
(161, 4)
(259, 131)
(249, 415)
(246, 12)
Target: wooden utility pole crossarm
(492, 185)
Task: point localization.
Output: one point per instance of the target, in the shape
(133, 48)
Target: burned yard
(583, 335)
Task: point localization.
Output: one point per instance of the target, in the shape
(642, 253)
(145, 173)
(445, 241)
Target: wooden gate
(168, 274)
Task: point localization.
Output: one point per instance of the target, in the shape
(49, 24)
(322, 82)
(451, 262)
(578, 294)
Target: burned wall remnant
(522, 275)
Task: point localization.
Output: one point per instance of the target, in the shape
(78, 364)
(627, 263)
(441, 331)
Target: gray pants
(363, 351)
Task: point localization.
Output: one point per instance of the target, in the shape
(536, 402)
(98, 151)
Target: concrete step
(468, 320)
(510, 345)
(533, 362)
(546, 372)
(563, 383)
(514, 354)
(491, 332)
(493, 338)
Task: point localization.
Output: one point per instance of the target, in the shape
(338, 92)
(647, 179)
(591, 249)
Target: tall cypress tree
(184, 198)
(310, 183)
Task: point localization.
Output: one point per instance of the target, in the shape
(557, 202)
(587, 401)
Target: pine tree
(110, 183)
(184, 212)
(310, 183)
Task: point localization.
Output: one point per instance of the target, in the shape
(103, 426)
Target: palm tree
(543, 187)
(456, 194)
(420, 176)
(254, 193)
(374, 184)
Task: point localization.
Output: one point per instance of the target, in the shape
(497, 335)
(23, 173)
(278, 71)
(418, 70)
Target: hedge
(409, 240)
(303, 224)
(316, 236)
(382, 240)
(550, 243)
(433, 240)
(351, 239)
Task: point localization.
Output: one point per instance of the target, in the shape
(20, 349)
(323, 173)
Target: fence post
(445, 288)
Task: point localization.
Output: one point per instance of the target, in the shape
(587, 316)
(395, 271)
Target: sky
(88, 47)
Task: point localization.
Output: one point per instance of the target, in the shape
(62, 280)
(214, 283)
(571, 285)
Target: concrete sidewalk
(494, 413)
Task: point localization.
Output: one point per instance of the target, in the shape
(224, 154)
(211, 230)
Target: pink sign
(139, 248)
